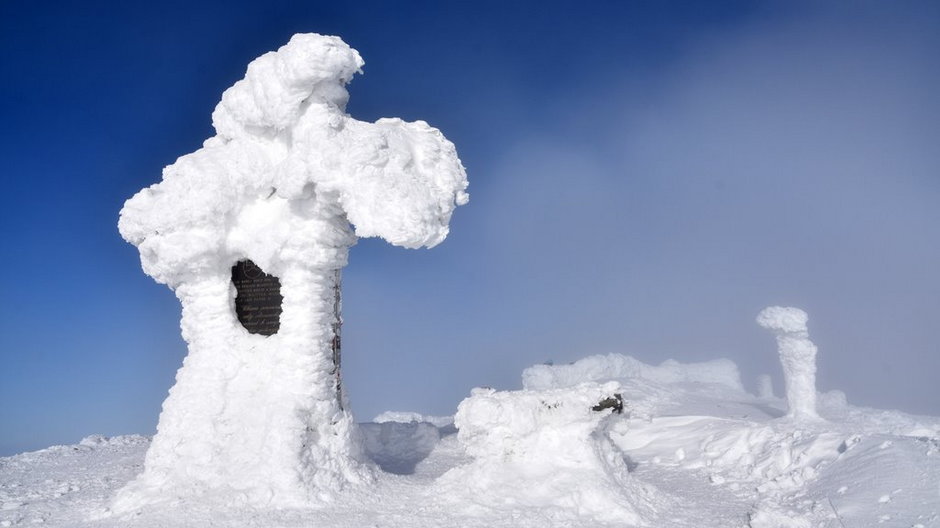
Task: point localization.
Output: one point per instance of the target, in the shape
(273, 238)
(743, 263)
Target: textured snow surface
(545, 450)
(797, 356)
(765, 386)
(288, 181)
(288, 169)
(702, 455)
(408, 417)
(595, 368)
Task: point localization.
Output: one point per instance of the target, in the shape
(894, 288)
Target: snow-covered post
(288, 183)
(797, 355)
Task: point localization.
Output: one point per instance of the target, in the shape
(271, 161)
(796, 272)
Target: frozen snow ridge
(797, 355)
(617, 366)
(413, 417)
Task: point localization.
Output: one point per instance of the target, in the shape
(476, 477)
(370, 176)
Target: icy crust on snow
(769, 456)
(289, 181)
(544, 449)
(797, 356)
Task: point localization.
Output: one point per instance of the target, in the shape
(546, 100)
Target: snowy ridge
(408, 417)
(617, 366)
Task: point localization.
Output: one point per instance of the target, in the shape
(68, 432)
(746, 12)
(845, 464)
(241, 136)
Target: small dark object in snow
(615, 402)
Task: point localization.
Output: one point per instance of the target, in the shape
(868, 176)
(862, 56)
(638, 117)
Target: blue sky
(645, 177)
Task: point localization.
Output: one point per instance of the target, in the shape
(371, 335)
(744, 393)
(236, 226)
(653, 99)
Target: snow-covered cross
(288, 182)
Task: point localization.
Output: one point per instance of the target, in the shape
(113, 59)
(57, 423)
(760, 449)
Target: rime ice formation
(797, 355)
(545, 449)
(288, 181)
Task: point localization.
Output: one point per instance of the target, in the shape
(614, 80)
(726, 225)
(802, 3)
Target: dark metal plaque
(258, 301)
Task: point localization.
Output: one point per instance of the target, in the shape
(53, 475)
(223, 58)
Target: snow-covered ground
(691, 449)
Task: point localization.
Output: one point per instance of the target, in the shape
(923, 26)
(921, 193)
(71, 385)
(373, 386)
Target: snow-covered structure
(545, 449)
(797, 355)
(288, 182)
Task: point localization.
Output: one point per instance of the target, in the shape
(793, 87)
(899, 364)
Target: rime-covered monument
(265, 212)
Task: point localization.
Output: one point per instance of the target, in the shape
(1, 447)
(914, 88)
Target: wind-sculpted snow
(648, 390)
(545, 449)
(797, 355)
(286, 170)
(617, 366)
(771, 457)
(413, 417)
(289, 181)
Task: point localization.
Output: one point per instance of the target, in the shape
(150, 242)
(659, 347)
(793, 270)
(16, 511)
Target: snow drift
(546, 449)
(288, 181)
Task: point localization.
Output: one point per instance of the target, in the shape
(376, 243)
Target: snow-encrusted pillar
(797, 356)
(289, 182)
